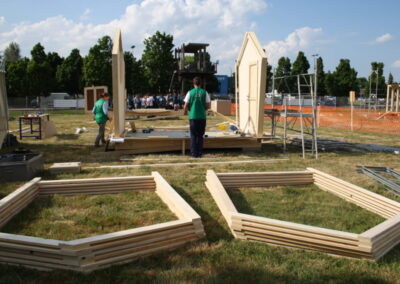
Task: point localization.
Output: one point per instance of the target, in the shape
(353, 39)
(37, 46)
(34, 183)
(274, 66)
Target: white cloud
(221, 23)
(396, 64)
(2, 20)
(383, 38)
(85, 14)
(301, 39)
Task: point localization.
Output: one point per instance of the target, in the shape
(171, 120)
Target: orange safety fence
(340, 118)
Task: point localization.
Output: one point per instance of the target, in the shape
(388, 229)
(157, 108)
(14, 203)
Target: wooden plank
(358, 201)
(244, 174)
(296, 226)
(91, 241)
(354, 192)
(359, 189)
(95, 180)
(220, 196)
(24, 188)
(247, 225)
(179, 206)
(187, 164)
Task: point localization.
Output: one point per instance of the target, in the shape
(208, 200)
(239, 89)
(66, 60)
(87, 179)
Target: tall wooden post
(387, 97)
(352, 98)
(397, 98)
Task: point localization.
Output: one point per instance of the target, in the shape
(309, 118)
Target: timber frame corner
(88, 254)
(372, 244)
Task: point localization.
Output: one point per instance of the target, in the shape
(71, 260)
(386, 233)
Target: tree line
(44, 73)
(337, 83)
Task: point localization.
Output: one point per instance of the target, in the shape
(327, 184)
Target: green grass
(80, 216)
(307, 205)
(219, 258)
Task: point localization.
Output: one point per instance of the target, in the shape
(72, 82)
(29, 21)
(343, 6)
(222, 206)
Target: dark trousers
(100, 136)
(197, 129)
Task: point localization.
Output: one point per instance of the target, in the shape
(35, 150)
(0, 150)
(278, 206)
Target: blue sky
(362, 31)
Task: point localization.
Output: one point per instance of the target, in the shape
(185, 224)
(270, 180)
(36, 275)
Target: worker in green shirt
(100, 111)
(197, 101)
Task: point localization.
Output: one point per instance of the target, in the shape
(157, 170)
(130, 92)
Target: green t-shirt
(197, 103)
(101, 117)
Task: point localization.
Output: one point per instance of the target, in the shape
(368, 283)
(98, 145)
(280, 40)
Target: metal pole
(301, 116)
(314, 106)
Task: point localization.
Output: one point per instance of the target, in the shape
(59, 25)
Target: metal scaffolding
(306, 92)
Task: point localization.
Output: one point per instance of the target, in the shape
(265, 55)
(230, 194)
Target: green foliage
(342, 80)
(300, 66)
(54, 61)
(158, 61)
(390, 79)
(376, 67)
(12, 52)
(135, 80)
(69, 74)
(17, 78)
(97, 64)
(268, 86)
(321, 91)
(283, 69)
(39, 72)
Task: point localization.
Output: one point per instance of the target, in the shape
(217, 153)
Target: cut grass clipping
(307, 205)
(79, 216)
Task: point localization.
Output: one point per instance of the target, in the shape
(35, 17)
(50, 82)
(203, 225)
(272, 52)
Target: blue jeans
(197, 130)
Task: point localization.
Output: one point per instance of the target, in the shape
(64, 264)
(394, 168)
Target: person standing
(100, 111)
(197, 101)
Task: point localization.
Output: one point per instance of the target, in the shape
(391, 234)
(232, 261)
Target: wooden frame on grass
(96, 252)
(372, 244)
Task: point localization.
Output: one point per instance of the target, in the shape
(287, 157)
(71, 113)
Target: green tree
(158, 61)
(12, 52)
(97, 64)
(17, 78)
(377, 70)
(268, 86)
(283, 69)
(361, 82)
(321, 87)
(39, 72)
(390, 79)
(342, 80)
(54, 61)
(300, 66)
(69, 74)
(135, 80)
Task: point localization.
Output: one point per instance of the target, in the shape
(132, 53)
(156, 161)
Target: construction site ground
(218, 257)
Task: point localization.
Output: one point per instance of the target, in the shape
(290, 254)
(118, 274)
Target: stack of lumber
(288, 234)
(264, 179)
(71, 167)
(177, 204)
(371, 244)
(383, 237)
(373, 202)
(13, 203)
(96, 185)
(96, 252)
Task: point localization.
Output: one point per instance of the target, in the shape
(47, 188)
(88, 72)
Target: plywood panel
(118, 81)
(251, 66)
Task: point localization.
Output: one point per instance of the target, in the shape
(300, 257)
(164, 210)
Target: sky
(360, 30)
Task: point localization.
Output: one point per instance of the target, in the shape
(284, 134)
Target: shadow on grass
(214, 230)
(67, 136)
(30, 213)
(240, 201)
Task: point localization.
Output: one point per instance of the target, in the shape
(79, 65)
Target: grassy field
(218, 258)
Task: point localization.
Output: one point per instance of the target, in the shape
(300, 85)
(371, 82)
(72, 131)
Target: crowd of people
(169, 101)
